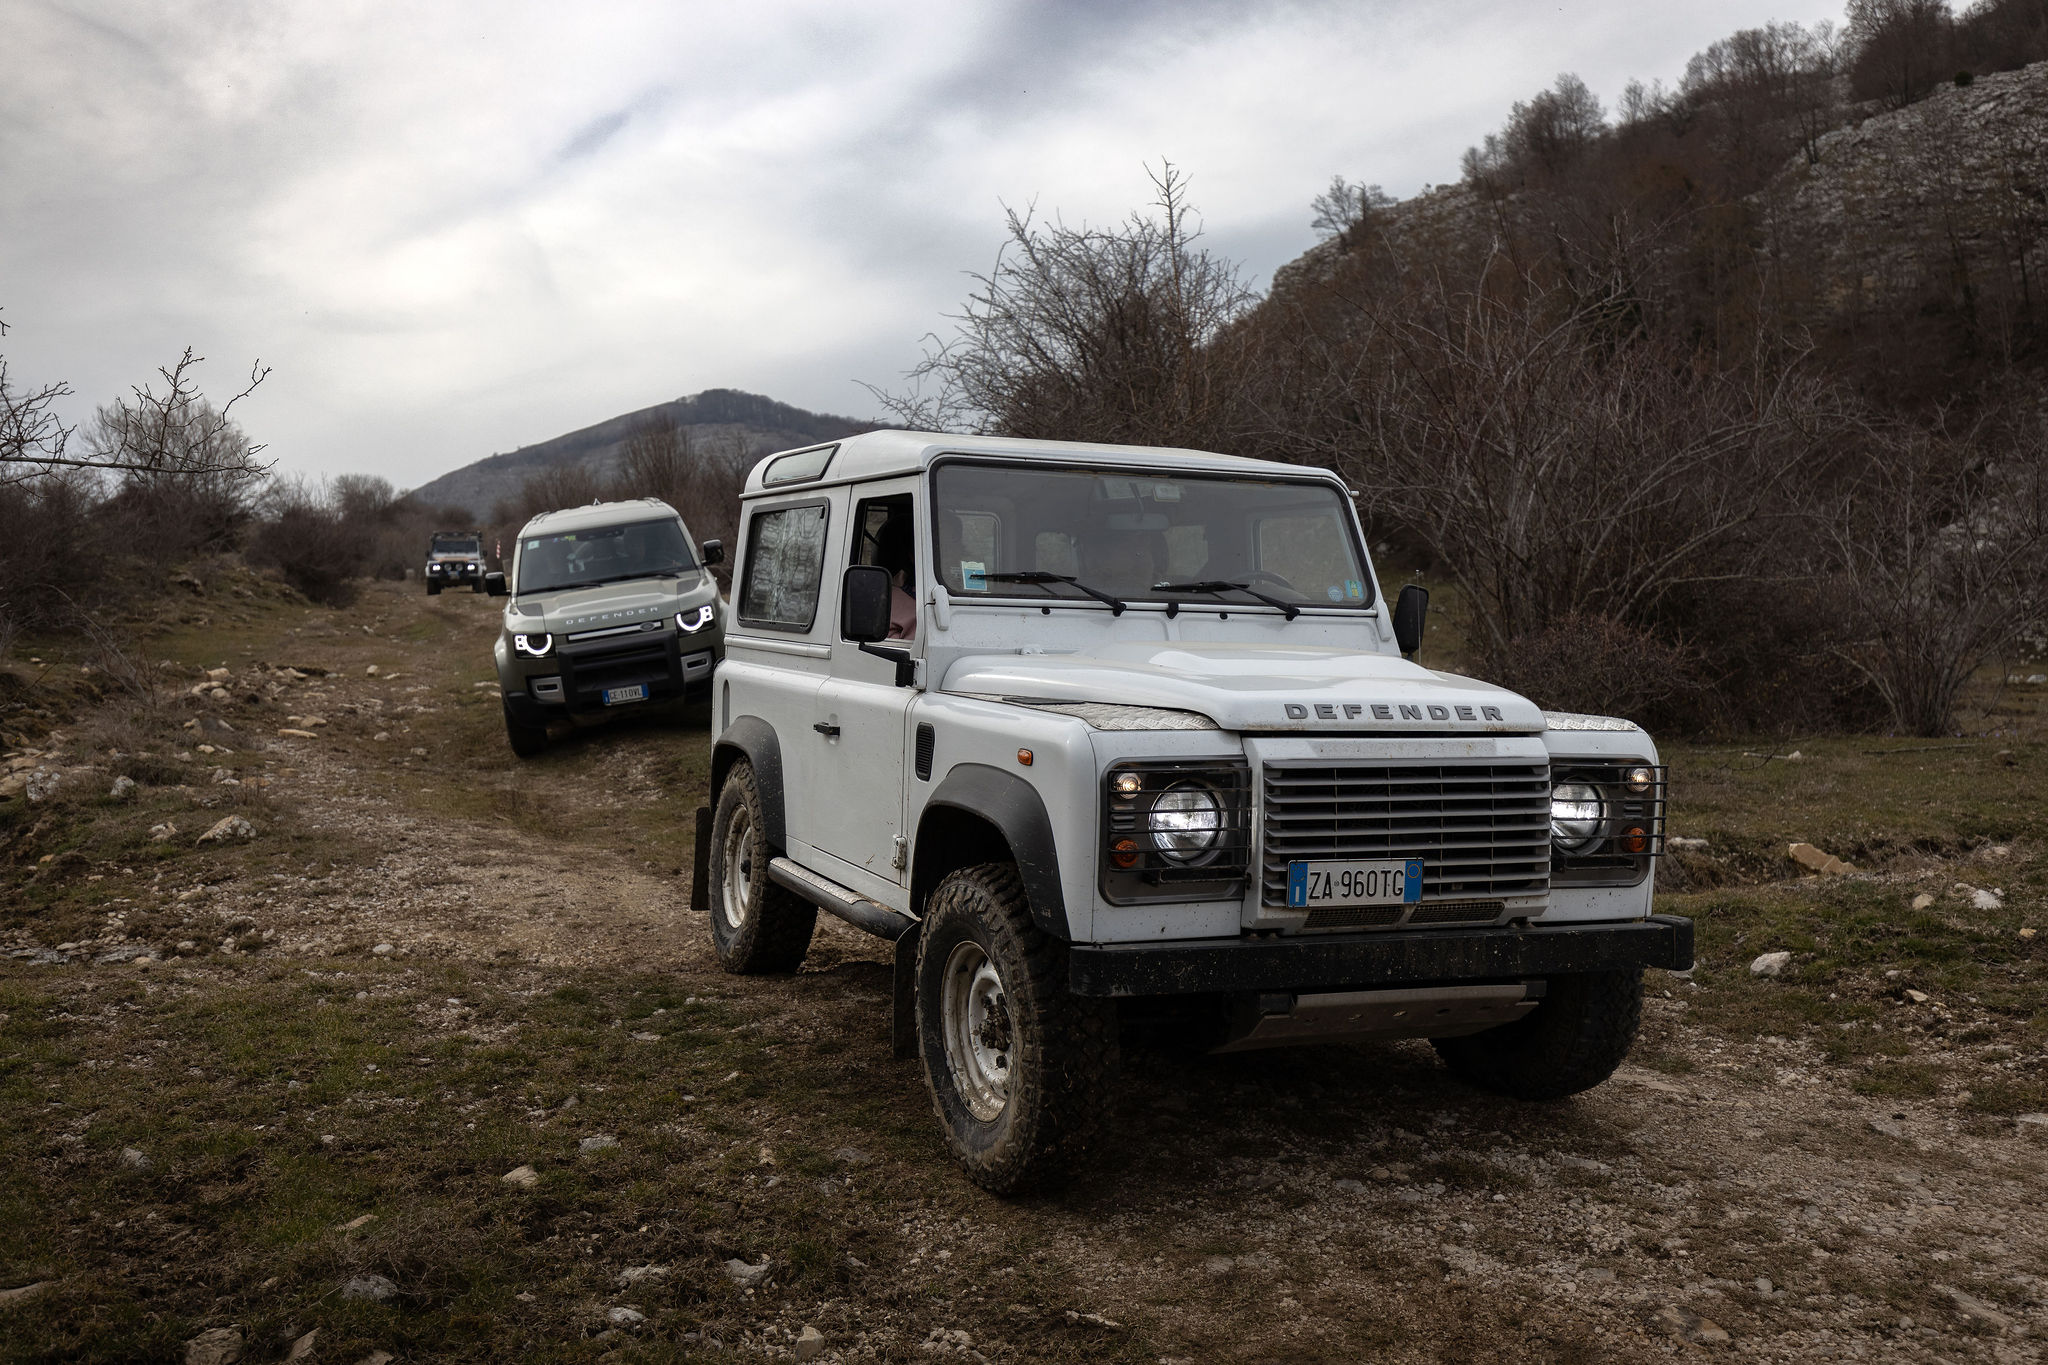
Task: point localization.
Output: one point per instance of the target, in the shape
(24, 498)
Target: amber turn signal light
(1124, 853)
(1634, 840)
(1024, 757)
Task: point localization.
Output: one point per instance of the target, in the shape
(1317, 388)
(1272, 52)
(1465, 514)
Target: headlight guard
(1607, 820)
(1175, 830)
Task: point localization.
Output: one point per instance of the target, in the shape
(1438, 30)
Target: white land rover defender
(1090, 730)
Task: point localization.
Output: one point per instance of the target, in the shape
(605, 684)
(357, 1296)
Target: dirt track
(1336, 1203)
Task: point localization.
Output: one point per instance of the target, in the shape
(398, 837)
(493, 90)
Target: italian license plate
(615, 695)
(1346, 882)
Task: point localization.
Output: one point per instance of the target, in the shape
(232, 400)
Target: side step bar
(856, 909)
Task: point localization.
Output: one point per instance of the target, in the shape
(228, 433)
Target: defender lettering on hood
(1352, 710)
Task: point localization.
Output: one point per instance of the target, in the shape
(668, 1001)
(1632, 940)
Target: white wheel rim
(739, 869)
(974, 1012)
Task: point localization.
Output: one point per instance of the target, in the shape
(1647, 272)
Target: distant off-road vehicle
(1092, 731)
(611, 605)
(454, 558)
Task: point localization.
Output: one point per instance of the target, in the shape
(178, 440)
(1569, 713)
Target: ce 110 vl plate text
(1345, 882)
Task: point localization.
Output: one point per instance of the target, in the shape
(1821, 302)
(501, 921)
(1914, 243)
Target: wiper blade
(1116, 604)
(1215, 587)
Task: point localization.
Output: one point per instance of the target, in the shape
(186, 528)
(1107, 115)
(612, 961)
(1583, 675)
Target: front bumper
(576, 680)
(1358, 961)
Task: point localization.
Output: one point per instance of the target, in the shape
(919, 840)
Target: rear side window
(785, 563)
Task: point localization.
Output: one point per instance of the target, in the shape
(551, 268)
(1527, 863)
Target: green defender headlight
(534, 646)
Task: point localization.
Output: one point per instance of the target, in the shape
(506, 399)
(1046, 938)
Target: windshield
(1023, 530)
(454, 547)
(604, 554)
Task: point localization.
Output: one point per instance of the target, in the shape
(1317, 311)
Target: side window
(785, 563)
(883, 536)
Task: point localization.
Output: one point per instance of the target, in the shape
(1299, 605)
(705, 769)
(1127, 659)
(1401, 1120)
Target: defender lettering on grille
(1382, 710)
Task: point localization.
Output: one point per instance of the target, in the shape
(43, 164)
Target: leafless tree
(1938, 562)
(1902, 48)
(1551, 131)
(32, 436)
(1554, 467)
(1344, 208)
(1103, 334)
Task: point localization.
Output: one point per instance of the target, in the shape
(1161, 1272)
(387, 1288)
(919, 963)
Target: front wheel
(756, 925)
(1020, 1071)
(433, 589)
(529, 739)
(1571, 1042)
(477, 586)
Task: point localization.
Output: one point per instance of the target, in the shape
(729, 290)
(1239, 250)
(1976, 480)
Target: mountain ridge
(732, 417)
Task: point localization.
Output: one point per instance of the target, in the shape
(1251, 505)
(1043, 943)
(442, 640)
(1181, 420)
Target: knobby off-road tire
(433, 589)
(527, 738)
(1571, 1042)
(1020, 1071)
(756, 926)
(477, 586)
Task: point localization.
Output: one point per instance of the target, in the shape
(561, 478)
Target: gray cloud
(455, 230)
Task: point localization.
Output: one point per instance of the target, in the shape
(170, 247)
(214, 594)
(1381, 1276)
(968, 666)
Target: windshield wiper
(1217, 586)
(1116, 605)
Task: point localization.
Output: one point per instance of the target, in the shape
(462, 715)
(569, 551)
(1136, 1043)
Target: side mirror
(494, 584)
(1409, 610)
(712, 552)
(864, 604)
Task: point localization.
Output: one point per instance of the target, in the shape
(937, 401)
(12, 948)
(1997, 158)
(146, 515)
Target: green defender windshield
(604, 554)
(1077, 533)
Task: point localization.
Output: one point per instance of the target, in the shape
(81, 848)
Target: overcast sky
(455, 229)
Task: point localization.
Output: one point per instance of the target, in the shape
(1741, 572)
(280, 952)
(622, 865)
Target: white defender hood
(1257, 687)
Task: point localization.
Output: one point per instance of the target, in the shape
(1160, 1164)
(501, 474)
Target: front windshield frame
(1063, 593)
(528, 545)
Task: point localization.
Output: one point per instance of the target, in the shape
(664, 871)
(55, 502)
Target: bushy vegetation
(1606, 386)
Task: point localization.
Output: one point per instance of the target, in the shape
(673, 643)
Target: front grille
(647, 661)
(1482, 830)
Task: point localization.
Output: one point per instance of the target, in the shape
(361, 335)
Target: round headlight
(1186, 821)
(1576, 812)
(690, 620)
(533, 646)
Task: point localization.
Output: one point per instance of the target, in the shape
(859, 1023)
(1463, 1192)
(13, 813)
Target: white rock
(304, 1347)
(1685, 845)
(1886, 1128)
(159, 833)
(625, 1315)
(744, 1275)
(135, 1159)
(809, 1343)
(382, 950)
(1218, 1266)
(1770, 964)
(373, 1287)
(1981, 899)
(123, 788)
(215, 1346)
(633, 1274)
(1922, 901)
(42, 785)
(2035, 1120)
(597, 1142)
(525, 1177)
(232, 827)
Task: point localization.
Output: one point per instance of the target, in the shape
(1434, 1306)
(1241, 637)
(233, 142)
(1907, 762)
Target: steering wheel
(1257, 575)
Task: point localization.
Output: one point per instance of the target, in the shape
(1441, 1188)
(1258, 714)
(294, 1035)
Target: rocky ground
(423, 982)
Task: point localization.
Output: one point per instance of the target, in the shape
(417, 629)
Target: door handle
(828, 731)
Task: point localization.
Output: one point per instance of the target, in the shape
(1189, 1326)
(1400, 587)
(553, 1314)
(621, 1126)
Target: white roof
(883, 454)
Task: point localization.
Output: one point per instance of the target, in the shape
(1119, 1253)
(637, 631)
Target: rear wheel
(529, 739)
(1020, 1070)
(756, 925)
(1571, 1042)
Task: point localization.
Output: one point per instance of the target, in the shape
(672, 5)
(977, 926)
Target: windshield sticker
(1335, 594)
(971, 575)
(1166, 492)
(1353, 589)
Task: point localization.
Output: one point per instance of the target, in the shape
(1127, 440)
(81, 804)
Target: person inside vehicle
(893, 541)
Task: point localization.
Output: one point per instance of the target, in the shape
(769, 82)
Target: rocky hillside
(717, 419)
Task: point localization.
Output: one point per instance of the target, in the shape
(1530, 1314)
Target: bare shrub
(1937, 563)
(1121, 334)
(1599, 665)
(312, 545)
